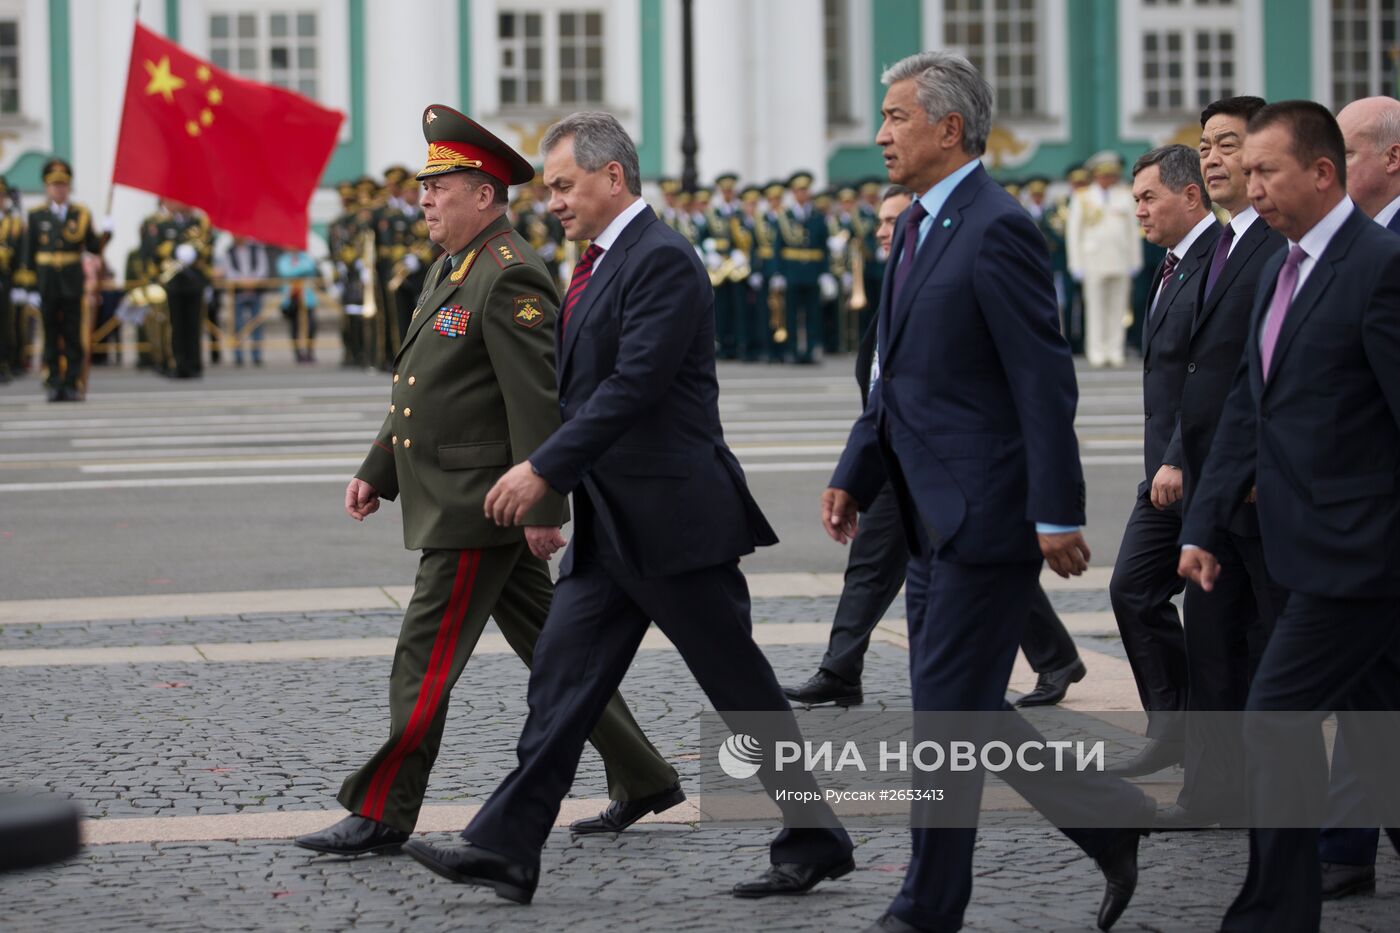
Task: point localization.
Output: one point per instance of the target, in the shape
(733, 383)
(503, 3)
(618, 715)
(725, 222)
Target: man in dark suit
(1371, 130)
(472, 394)
(663, 515)
(875, 570)
(971, 421)
(1226, 630)
(1173, 209)
(1313, 420)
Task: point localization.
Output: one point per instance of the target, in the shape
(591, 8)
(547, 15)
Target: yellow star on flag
(203, 72)
(216, 96)
(163, 81)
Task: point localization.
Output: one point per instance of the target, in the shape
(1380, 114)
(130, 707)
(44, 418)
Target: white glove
(339, 268)
(335, 290)
(364, 275)
(708, 244)
(18, 296)
(1077, 274)
(185, 254)
(35, 300)
(847, 280)
(548, 251)
(756, 281)
(737, 257)
(777, 283)
(107, 225)
(836, 245)
(411, 263)
(827, 283)
(712, 260)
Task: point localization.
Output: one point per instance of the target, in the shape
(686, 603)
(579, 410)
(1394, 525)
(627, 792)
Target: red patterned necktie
(582, 273)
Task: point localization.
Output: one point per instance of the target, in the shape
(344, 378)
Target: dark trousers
(9, 332)
(1226, 632)
(1324, 654)
(804, 322)
(454, 595)
(874, 574)
(1141, 589)
(186, 323)
(1341, 841)
(729, 297)
(63, 338)
(601, 611)
(302, 319)
(965, 622)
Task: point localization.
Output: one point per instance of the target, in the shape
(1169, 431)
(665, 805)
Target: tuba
(371, 302)
(859, 299)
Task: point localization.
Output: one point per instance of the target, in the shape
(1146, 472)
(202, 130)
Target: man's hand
(1198, 566)
(839, 513)
(543, 540)
(515, 494)
(1067, 553)
(1166, 486)
(360, 499)
(1253, 497)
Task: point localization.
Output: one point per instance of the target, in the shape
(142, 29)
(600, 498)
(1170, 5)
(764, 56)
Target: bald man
(1371, 128)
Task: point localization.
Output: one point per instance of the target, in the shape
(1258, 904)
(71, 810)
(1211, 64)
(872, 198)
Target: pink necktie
(1278, 307)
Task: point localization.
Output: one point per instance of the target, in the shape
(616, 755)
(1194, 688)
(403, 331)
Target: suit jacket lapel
(613, 257)
(1182, 275)
(1306, 301)
(445, 287)
(1254, 238)
(945, 226)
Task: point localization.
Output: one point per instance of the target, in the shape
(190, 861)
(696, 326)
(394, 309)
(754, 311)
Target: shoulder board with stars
(504, 251)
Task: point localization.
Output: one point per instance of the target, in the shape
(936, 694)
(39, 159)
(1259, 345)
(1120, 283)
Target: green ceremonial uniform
(11, 315)
(56, 245)
(161, 238)
(473, 394)
(803, 260)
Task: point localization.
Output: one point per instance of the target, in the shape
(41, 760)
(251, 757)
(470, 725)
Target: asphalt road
(235, 481)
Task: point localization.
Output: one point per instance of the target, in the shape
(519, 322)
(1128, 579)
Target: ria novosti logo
(740, 756)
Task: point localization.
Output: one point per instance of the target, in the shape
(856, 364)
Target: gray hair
(947, 83)
(1179, 166)
(598, 139)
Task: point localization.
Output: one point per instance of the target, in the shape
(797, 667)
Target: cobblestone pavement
(671, 878)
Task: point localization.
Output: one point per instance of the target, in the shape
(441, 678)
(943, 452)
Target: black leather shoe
(1340, 881)
(1155, 756)
(1119, 865)
(621, 814)
(1051, 687)
(1178, 817)
(70, 394)
(792, 878)
(354, 835)
(889, 923)
(55, 394)
(465, 863)
(826, 687)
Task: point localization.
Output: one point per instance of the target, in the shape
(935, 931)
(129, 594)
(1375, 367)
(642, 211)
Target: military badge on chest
(452, 321)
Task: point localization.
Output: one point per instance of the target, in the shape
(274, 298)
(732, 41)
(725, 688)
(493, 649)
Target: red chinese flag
(249, 154)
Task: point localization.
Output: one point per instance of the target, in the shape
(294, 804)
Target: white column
(410, 62)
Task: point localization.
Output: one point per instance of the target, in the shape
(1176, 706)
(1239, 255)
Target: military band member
(753, 306)
(722, 257)
(541, 230)
(13, 296)
(393, 239)
(875, 255)
(803, 262)
(59, 232)
(177, 244)
(473, 393)
(412, 271)
(769, 265)
(350, 273)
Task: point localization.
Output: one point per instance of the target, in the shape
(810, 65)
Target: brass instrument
(858, 297)
(743, 242)
(371, 302)
(777, 315)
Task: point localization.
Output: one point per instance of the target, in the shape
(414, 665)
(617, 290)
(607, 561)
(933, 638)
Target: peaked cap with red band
(457, 143)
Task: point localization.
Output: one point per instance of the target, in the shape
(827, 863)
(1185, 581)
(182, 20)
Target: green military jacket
(473, 394)
(54, 249)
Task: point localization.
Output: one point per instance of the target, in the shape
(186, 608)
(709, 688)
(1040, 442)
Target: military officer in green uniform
(59, 232)
(541, 229)
(803, 262)
(473, 393)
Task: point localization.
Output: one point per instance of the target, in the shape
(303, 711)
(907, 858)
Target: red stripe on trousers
(430, 692)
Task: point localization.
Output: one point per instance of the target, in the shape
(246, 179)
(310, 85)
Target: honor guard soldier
(13, 296)
(768, 264)
(59, 232)
(473, 393)
(1104, 247)
(177, 245)
(670, 212)
(722, 258)
(824, 202)
(344, 239)
(803, 261)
